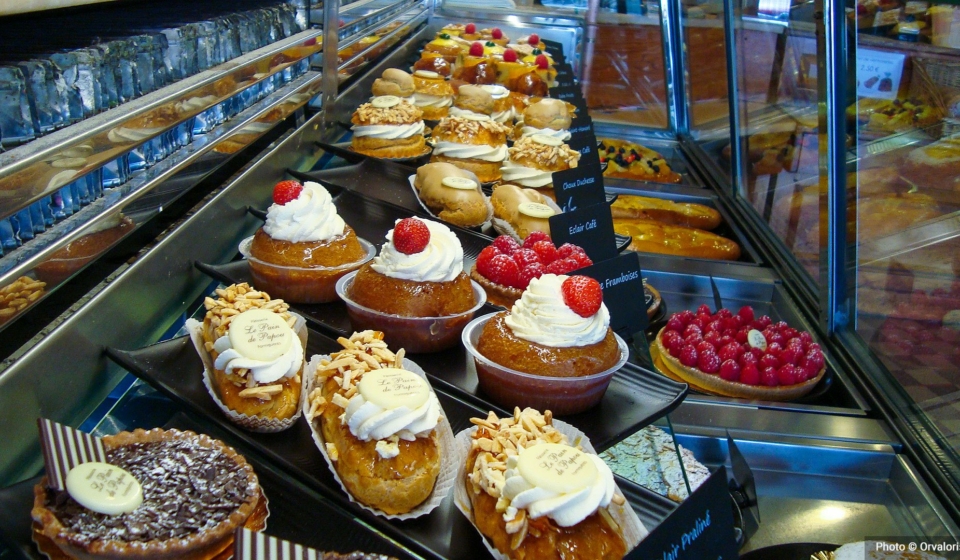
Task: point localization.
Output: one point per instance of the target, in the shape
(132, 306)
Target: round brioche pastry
(393, 82)
(452, 194)
(472, 100)
(432, 94)
(548, 113)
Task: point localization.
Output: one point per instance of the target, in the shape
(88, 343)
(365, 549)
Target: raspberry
(582, 295)
(691, 328)
(769, 361)
(701, 321)
(789, 332)
(773, 337)
(470, 29)
(285, 191)
(774, 349)
(750, 375)
(704, 309)
(506, 244)
(813, 346)
(693, 338)
(709, 363)
(741, 335)
(765, 321)
(411, 235)
(581, 258)
(806, 338)
(747, 358)
(724, 340)
(787, 375)
(797, 342)
(723, 313)
(808, 370)
(476, 49)
(496, 33)
(567, 250)
(745, 314)
(504, 271)
(545, 250)
(715, 326)
(533, 39)
(483, 260)
(526, 257)
(730, 370)
(790, 355)
(729, 351)
(732, 323)
(670, 337)
(780, 326)
(528, 273)
(706, 348)
(542, 62)
(675, 324)
(534, 237)
(688, 356)
(675, 349)
(769, 377)
(713, 338)
(509, 55)
(686, 316)
(814, 357)
(562, 266)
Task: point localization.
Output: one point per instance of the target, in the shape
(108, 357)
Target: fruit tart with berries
(505, 268)
(627, 160)
(739, 355)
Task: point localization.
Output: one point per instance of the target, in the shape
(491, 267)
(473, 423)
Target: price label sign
(879, 73)
(590, 227)
(622, 284)
(578, 187)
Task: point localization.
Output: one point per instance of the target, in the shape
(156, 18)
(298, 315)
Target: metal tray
(287, 498)
(444, 533)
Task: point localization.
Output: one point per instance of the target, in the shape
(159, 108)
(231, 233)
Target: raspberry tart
(505, 268)
(738, 355)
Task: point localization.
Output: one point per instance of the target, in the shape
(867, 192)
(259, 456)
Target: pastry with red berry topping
(494, 35)
(418, 273)
(628, 160)
(505, 268)
(445, 46)
(304, 246)
(739, 355)
(475, 66)
(558, 328)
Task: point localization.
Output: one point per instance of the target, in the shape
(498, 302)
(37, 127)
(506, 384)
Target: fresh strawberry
(476, 49)
(582, 295)
(526, 257)
(509, 55)
(504, 271)
(688, 356)
(542, 62)
(410, 236)
(787, 375)
(506, 244)
(568, 249)
(750, 375)
(484, 258)
(769, 377)
(709, 362)
(562, 266)
(730, 370)
(496, 33)
(285, 191)
(546, 251)
(528, 273)
(534, 237)
(533, 39)
(470, 29)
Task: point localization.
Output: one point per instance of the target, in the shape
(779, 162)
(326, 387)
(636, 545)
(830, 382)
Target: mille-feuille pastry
(533, 495)
(532, 161)
(452, 194)
(472, 143)
(388, 127)
(628, 160)
(432, 94)
(472, 101)
(548, 117)
(379, 424)
(525, 210)
(394, 82)
(256, 355)
(655, 237)
(444, 46)
(665, 211)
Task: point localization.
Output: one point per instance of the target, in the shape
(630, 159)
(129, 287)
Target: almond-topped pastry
(254, 374)
(547, 117)
(472, 101)
(534, 495)
(388, 127)
(452, 194)
(378, 423)
(472, 143)
(432, 94)
(195, 492)
(533, 160)
(524, 210)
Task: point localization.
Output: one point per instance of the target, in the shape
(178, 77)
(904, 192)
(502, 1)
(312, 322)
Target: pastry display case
(753, 130)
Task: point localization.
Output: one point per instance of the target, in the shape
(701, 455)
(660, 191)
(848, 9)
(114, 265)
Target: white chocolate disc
(461, 183)
(495, 90)
(104, 488)
(391, 388)
(756, 339)
(260, 334)
(385, 101)
(535, 210)
(426, 74)
(546, 140)
(557, 468)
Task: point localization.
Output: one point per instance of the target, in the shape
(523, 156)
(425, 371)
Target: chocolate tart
(211, 501)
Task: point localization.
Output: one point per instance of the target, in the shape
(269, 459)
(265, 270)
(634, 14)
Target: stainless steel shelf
(412, 18)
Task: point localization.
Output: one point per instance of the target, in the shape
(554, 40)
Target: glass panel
(904, 197)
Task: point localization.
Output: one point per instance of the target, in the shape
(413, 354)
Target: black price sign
(578, 187)
(581, 125)
(570, 94)
(586, 144)
(554, 49)
(701, 528)
(622, 284)
(590, 227)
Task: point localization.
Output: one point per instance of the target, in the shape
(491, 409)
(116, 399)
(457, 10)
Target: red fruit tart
(737, 355)
(505, 268)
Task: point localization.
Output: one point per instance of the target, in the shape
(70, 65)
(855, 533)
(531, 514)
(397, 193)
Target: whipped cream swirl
(310, 217)
(562, 134)
(541, 316)
(566, 509)
(440, 261)
(389, 131)
(428, 100)
(525, 176)
(458, 112)
(471, 151)
(505, 116)
(371, 422)
(287, 365)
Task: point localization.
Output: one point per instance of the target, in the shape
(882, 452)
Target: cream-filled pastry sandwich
(388, 127)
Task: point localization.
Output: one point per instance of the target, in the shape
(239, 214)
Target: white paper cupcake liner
(503, 227)
(253, 423)
(448, 448)
(486, 200)
(631, 526)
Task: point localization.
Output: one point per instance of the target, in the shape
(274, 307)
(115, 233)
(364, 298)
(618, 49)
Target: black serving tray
(343, 151)
(174, 368)
(288, 501)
